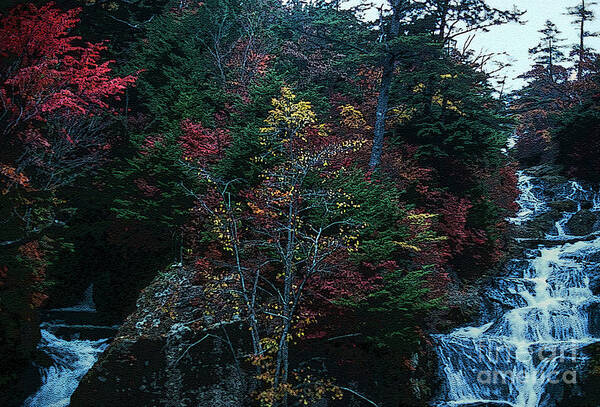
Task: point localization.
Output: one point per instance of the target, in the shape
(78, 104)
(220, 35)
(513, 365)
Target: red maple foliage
(201, 144)
(54, 87)
(51, 76)
(47, 69)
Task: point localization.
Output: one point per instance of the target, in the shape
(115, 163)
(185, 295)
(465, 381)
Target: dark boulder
(587, 205)
(593, 273)
(170, 353)
(537, 227)
(582, 223)
(19, 336)
(543, 170)
(552, 180)
(593, 257)
(584, 390)
(566, 205)
(594, 318)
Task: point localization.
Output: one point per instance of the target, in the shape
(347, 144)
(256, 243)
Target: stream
(517, 357)
(73, 338)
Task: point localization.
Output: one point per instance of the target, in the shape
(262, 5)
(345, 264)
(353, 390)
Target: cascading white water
(72, 359)
(531, 201)
(576, 194)
(515, 358)
(71, 356)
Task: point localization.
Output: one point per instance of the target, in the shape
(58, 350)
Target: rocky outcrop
(169, 352)
(19, 335)
(583, 223)
(544, 170)
(565, 205)
(585, 390)
(538, 227)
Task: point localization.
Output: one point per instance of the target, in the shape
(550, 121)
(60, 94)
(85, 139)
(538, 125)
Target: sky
(516, 39)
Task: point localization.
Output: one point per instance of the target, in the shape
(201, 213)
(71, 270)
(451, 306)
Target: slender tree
(548, 52)
(398, 10)
(582, 15)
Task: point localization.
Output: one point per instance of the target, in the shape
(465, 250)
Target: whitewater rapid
(72, 356)
(516, 357)
(71, 361)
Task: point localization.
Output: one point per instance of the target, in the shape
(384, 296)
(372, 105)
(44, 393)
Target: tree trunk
(443, 22)
(550, 62)
(282, 356)
(381, 113)
(384, 90)
(581, 39)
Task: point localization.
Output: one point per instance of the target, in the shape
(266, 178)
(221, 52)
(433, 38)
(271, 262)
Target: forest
(294, 203)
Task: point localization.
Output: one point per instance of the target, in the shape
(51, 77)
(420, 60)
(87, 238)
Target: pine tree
(548, 52)
(582, 15)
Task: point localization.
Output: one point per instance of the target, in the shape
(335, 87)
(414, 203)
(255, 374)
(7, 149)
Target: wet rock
(593, 257)
(506, 291)
(587, 205)
(515, 267)
(537, 227)
(584, 390)
(464, 306)
(582, 223)
(594, 318)
(543, 170)
(593, 273)
(566, 205)
(551, 180)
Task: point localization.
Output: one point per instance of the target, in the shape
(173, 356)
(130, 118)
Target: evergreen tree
(582, 14)
(438, 18)
(549, 51)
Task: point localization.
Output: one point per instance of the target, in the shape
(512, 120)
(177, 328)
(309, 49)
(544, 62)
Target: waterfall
(73, 337)
(514, 359)
(86, 304)
(531, 200)
(71, 361)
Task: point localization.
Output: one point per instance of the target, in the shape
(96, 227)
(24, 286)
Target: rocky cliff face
(169, 353)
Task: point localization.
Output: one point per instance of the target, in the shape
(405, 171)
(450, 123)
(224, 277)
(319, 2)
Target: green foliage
(578, 138)
(447, 109)
(376, 206)
(177, 78)
(404, 300)
(149, 187)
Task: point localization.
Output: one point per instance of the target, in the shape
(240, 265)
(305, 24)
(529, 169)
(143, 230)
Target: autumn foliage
(57, 98)
(242, 155)
(49, 76)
